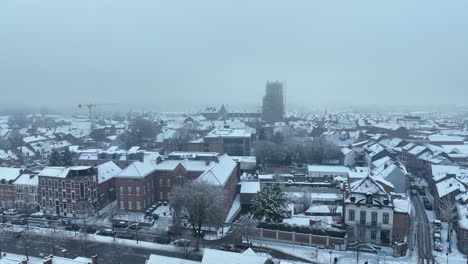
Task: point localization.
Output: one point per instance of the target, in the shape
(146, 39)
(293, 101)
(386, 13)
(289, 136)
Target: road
(423, 232)
(105, 251)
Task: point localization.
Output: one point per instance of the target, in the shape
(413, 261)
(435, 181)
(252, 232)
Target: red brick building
(145, 182)
(67, 190)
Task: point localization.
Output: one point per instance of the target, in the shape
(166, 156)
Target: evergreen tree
(270, 204)
(55, 159)
(67, 158)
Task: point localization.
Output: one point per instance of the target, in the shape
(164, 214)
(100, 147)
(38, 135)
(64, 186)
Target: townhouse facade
(68, 191)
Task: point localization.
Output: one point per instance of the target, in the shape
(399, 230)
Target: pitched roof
(220, 172)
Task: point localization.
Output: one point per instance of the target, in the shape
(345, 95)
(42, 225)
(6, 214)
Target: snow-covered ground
(323, 255)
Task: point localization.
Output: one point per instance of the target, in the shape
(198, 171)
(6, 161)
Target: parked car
(422, 192)
(10, 212)
(134, 227)
(183, 242)
(155, 216)
(414, 192)
(436, 236)
(17, 235)
(52, 217)
(106, 232)
(21, 221)
(148, 212)
(44, 225)
(89, 230)
(428, 206)
(436, 225)
(120, 224)
(72, 227)
(37, 215)
(126, 235)
(162, 240)
(438, 245)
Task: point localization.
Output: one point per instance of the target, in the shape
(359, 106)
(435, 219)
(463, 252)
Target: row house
(7, 188)
(68, 191)
(26, 192)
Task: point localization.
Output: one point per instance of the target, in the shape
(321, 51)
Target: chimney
(94, 259)
(141, 157)
(207, 162)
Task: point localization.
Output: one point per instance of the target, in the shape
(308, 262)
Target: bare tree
(53, 238)
(118, 251)
(201, 204)
(333, 208)
(246, 226)
(448, 213)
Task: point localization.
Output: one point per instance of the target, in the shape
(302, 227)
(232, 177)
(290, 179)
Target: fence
(337, 243)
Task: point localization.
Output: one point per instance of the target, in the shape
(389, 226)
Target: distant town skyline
(176, 56)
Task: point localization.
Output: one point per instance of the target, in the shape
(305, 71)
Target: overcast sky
(181, 53)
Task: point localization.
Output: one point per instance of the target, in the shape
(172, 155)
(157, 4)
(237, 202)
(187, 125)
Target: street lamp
(330, 255)
(447, 256)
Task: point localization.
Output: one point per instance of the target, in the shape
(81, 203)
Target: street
(423, 232)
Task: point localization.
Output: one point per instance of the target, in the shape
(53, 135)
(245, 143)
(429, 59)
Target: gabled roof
(367, 185)
(107, 171)
(220, 172)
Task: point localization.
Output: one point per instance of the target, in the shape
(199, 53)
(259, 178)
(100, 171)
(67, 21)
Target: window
(160, 182)
(138, 190)
(386, 218)
(82, 190)
(129, 190)
(43, 202)
(161, 195)
(121, 190)
(63, 184)
(64, 205)
(180, 180)
(168, 182)
(64, 194)
(122, 205)
(363, 217)
(130, 205)
(73, 185)
(50, 203)
(374, 217)
(138, 206)
(373, 234)
(351, 215)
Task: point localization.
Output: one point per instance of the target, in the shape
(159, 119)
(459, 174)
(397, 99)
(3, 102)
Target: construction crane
(92, 111)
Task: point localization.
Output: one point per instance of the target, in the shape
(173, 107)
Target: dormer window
(369, 198)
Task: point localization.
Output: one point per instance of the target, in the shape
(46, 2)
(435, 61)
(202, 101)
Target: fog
(181, 54)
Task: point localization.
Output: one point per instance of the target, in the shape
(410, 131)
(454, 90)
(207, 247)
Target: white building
(26, 191)
(369, 213)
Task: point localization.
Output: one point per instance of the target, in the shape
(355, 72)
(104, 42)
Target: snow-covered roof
(367, 185)
(167, 165)
(327, 168)
(139, 169)
(158, 259)
(107, 171)
(250, 187)
(9, 174)
(402, 205)
(11, 258)
(33, 139)
(60, 172)
(448, 186)
(220, 172)
(231, 133)
(213, 256)
(27, 179)
(441, 171)
(444, 138)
